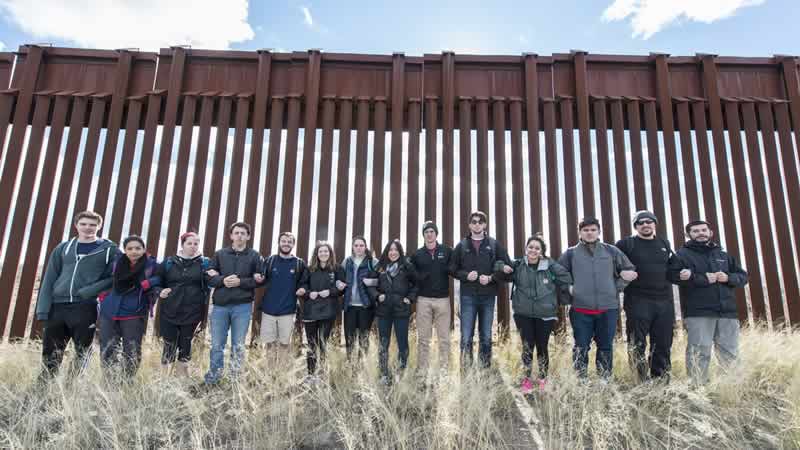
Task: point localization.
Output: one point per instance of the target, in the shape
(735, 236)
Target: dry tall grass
(755, 406)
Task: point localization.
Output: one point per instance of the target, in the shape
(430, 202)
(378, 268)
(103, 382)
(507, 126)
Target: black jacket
(317, 281)
(396, 289)
(465, 260)
(230, 262)
(188, 282)
(699, 298)
(433, 272)
(652, 260)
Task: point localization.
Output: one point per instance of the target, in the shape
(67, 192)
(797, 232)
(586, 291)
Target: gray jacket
(595, 274)
(533, 293)
(68, 279)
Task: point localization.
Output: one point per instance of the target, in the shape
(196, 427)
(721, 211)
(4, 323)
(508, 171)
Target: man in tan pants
(432, 263)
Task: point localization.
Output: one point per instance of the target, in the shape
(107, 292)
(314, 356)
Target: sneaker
(526, 386)
(542, 385)
(385, 381)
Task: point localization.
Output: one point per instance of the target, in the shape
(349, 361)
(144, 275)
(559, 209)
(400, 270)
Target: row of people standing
(589, 276)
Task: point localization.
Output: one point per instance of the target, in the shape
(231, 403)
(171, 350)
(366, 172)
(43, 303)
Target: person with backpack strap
(123, 310)
(183, 299)
(473, 263)
(534, 300)
(648, 301)
(600, 272)
(359, 310)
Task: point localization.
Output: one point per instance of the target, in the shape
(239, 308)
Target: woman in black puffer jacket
(324, 284)
(183, 299)
(393, 295)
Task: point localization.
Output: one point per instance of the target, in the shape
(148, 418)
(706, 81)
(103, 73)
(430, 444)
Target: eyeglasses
(645, 222)
(475, 222)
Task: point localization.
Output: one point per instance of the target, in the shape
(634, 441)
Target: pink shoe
(527, 386)
(542, 384)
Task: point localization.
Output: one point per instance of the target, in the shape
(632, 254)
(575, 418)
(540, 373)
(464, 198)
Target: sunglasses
(475, 222)
(645, 222)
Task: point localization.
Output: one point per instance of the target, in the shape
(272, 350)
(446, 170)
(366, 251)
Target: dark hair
(88, 215)
(479, 214)
(187, 235)
(133, 238)
(287, 234)
(384, 262)
(540, 239)
(588, 221)
(246, 226)
(695, 223)
(367, 252)
(315, 265)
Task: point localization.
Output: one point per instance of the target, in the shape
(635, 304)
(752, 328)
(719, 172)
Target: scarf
(127, 277)
(393, 269)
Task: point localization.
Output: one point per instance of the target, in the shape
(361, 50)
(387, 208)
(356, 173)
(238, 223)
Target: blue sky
(679, 27)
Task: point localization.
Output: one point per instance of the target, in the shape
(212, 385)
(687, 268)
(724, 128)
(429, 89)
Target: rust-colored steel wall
(666, 127)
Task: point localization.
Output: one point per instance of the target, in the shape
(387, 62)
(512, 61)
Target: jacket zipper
(75, 269)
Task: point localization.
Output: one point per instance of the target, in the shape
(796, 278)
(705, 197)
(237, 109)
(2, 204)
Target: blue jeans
(600, 328)
(235, 318)
(385, 325)
(482, 308)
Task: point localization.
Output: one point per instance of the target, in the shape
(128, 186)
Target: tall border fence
(701, 136)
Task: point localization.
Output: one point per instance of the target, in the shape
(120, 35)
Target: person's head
(392, 253)
(239, 233)
(286, 242)
(360, 249)
(589, 230)
(134, 248)
(430, 232)
(645, 223)
(323, 256)
(478, 222)
(190, 244)
(699, 231)
(535, 247)
(87, 223)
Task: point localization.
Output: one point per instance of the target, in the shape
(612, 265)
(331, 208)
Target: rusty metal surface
(727, 112)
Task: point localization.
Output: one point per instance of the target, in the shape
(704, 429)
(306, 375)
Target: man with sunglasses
(475, 262)
(648, 300)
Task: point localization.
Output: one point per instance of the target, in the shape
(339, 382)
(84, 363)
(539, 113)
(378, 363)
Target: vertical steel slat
(687, 157)
(360, 187)
(340, 238)
(290, 164)
(482, 122)
(532, 125)
(271, 188)
(465, 162)
(378, 165)
(309, 150)
(232, 213)
(757, 299)
(793, 195)
(414, 171)
(621, 168)
(633, 113)
(145, 161)
(654, 159)
(448, 119)
(99, 104)
(704, 160)
(125, 169)
(670, 153)
(431, 125)
(215, 190)
(258, 121)
(396, 167)
(570, 194)
(603, 168)
(326, 166)
(582, 102)
(500, 194)
(517, 195)
(200, 162)
(181, 173)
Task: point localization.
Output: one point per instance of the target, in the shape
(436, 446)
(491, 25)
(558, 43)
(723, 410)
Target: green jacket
(70, 280)
(533, 293)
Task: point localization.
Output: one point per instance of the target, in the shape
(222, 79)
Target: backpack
(297, 273)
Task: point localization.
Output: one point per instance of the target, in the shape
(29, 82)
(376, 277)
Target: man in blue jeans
(473, 262)
(600, 272)
(235, 272)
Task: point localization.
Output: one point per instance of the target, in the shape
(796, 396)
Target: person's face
(590, 233)
(394, 253)
(359, 248)
(430, 236)
(191, 246)
(645, 228)
(700, 233)
(286, 244)
(87, 228)
(533, 250)
(324, 254)
(134, 250)
(240, 236)
(477, 225)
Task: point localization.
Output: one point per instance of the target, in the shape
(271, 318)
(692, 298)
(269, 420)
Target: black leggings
(177, 341)
(317, 333)
(535, 334)
(357, 323)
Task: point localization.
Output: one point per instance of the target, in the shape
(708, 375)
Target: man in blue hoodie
(282, 275)
(77, 272)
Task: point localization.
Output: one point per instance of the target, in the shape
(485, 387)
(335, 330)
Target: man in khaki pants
(432, 263)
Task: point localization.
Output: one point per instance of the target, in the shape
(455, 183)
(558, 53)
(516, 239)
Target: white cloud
(146, 24)
(648, 17)
(2, 46)
(309, 21)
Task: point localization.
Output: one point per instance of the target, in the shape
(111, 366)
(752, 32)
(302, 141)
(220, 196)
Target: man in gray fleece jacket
(77, 271)
(600, 272)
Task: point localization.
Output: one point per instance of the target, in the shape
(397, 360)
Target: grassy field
(755, 406)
